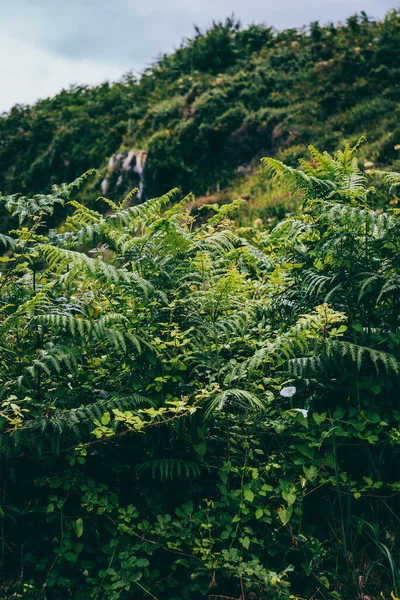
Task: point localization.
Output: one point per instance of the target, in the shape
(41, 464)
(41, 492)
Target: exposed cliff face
(125, 171)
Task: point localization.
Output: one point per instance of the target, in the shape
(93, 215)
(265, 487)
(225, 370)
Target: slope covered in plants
(196, 411)
(225, 98)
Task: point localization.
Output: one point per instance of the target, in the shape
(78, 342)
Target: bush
(190, 411)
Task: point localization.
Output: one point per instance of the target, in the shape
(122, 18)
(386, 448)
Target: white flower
(288, 392)
(303, 411)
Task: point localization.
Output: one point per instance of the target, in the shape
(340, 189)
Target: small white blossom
(288, 392)
(303, 411)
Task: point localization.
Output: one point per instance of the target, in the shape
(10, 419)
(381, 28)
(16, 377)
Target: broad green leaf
(319, 418)
(106, 418)
(290, 497)
(324, 582)
(78, 527)
(248, 495)
(245, 542)
(285, 514)
(306, 450)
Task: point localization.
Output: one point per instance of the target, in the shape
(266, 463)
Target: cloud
(122, 31)
(53, 43)
(28, 73)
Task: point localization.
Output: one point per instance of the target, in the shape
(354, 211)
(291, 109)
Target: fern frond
(169, 468)
(358, 354)
(315, 281)
(324, 165)
(143, 213)
(296, 181)
(390, 286)
(234, 398)
(220, 241)
(79, 421)
(38, 304)
(26, 208)
(66, 189)
(354, 179)
(52, 357)
(392, 179)
(292, 228)
(62, 258)
(354, 217)
(7, 241)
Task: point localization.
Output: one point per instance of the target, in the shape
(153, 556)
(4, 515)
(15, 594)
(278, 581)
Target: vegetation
(202, 401)
(203, 409)
(225, 98)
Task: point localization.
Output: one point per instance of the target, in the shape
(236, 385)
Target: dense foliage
(226, 97)
(197, 410)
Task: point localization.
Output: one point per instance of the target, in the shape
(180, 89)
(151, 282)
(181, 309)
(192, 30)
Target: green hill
(204, 114)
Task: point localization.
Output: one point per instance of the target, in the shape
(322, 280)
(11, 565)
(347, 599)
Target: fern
(61, 259)
(296, 181)
(7, 241)
(355, 218)
(359, 354)
(338, 350)
(234, 399)
(135, 216)
(51, 358)
(390, 179)
(28, 208)
(79, 421)
(169, 468)
(65, 189)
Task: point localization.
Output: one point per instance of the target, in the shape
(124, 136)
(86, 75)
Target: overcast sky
(46, 45)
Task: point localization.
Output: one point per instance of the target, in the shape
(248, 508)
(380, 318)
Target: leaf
(290, 497)
(248, 495)
(324, 582)
(106, 418)
(142, 562)
(372, 417)
(319, 418)
(188, 508)
(78, 527)
(310, 473)
(259, 513)
(284, 514)
(70, 556)
(245, 542)
(309, 452)
(200, 449)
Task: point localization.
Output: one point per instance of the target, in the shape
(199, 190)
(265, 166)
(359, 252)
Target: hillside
(203, 403)
(204, 114)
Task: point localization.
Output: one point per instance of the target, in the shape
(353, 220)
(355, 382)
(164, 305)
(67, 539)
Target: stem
(3, 541)
(339, 495)
(109, 565)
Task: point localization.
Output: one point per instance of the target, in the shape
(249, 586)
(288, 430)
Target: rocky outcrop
(125, 171)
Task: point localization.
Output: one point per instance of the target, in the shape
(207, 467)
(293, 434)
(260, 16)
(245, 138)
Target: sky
(48, 45)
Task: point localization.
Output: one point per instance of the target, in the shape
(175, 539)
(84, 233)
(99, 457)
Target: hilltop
(201, 117)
